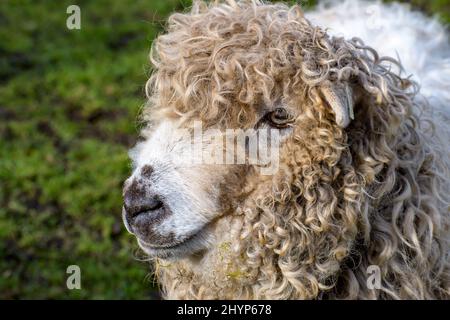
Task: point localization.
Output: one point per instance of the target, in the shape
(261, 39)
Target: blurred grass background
(69, 101)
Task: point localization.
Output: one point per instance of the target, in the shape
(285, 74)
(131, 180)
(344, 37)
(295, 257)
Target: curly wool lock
(349, 193)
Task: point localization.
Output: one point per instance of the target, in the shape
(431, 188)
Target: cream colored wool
(350, 193)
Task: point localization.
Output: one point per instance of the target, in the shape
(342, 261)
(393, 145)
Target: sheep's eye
(279, 118)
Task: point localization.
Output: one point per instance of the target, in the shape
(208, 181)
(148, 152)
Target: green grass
(69, 101)
(68, 107)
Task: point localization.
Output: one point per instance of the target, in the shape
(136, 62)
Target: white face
(169, 203)
(176, 194)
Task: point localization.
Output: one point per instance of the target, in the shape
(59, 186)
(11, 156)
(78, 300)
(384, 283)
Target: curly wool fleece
(373, 190)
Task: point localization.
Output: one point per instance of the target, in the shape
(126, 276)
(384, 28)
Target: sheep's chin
(193, 246)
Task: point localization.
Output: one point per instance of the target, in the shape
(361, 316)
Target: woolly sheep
(363, 178)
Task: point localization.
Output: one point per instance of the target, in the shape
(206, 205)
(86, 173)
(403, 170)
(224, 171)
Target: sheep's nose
(141, 206)
(141, 209)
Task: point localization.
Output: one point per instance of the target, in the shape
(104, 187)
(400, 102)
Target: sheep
(362, 185)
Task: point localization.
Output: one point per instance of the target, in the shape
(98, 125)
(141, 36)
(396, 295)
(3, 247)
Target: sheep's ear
(340, 99)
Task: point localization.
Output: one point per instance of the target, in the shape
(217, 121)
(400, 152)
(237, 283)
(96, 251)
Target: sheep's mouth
(188, 246)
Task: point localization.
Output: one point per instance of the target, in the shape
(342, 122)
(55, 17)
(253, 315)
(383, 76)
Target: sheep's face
(228, 70)
(187, 178)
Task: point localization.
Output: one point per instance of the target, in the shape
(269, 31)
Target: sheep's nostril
(153, 204)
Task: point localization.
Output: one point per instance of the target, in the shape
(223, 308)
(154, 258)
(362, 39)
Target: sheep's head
(265, 69)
